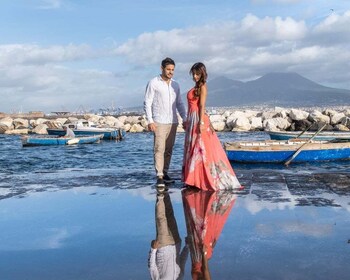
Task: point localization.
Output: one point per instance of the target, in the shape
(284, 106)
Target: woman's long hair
(199, 68)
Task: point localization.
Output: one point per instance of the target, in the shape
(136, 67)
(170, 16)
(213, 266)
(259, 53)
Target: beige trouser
(164, 139)
(166, 226)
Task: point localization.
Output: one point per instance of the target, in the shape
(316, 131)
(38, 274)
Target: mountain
(274, 89)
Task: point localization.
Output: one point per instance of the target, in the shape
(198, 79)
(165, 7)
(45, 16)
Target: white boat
(89, 128)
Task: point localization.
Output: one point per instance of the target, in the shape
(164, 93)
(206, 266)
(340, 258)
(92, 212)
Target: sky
(81, 55)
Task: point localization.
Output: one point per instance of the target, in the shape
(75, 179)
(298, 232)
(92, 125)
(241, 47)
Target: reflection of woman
(205, 214)
(205, 164)
(165, 260)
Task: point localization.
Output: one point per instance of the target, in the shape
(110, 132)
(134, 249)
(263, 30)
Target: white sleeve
(147, 105)
(152, 266)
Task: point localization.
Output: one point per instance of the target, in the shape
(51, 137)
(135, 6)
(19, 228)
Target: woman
(205, 164)
(206, 214)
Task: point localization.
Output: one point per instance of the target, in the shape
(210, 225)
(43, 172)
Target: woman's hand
(201, 127)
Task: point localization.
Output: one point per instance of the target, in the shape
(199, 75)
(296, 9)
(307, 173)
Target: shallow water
(87, 212)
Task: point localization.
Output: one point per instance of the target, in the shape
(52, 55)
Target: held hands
(184, 125)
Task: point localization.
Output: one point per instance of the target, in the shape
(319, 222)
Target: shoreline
(253, 118)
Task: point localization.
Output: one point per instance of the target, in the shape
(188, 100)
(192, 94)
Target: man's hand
(152, 127)
(154, 244)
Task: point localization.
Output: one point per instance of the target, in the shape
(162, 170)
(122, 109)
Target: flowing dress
(205, 164)
(206, 214)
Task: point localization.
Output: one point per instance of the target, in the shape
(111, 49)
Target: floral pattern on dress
(205, 164)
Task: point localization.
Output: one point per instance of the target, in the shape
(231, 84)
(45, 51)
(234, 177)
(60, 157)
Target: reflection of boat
(324, 135)
(46, 140)
(282, 151)
(88, 128)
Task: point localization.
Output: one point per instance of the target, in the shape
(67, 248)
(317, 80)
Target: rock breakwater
(276, 119)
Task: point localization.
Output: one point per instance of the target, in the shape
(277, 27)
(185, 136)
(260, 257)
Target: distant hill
(274, 89)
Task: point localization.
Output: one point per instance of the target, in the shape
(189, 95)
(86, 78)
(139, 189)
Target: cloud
(17, 54)
(252, 47)
(44, 78)
(36, 77)
(316, 230)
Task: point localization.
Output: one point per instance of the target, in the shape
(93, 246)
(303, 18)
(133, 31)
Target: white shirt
(167, 263)
(69, 132)
(162, 100)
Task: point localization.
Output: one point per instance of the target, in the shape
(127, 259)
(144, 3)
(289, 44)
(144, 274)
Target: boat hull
(310, 152)
(107, 135)
(45, 140)
(322, 136)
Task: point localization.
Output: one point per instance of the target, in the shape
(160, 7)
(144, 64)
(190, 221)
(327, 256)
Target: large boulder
(345, 121)
(317, 116)
(337, 118)
(256, 123)
(231, 119)
(298, 115)
(40, 129)
(136, 128)
(216, 118)
(341, 127)
(276, 124)
(20, 123)
(241, 124)
(3, 128)
(92, 118)
(219, 125)
(302, 125)
(265, 115)
(7, 121)
(122, 119)
(39, 121)
(250, 114)
(329, 112)
(52, 124)
(17, 131)
(132, 120)
(127, 127)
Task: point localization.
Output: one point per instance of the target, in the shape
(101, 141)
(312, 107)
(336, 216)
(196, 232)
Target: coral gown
(206, 214)
(205, 164)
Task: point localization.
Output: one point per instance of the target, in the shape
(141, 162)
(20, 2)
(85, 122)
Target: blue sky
(73, 54)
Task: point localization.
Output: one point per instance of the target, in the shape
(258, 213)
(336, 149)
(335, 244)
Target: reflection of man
(165, 260)
(206, 214)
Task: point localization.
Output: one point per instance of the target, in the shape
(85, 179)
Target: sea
(88, 212)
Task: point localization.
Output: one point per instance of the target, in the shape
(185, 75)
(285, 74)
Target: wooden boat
(322, 136)
(46, 140)
(88, 128)
(273, 151)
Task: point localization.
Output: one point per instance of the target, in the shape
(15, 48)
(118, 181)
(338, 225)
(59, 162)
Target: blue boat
(322, 136)
(87, 128)
(272, 151)
(48, 140)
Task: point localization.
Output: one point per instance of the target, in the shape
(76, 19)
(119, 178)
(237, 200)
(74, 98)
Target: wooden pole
(302, 146)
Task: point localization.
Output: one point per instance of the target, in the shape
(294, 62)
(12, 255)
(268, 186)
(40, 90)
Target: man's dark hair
(167, 61)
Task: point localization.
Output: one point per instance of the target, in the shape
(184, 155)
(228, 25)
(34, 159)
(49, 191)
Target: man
(166, 260)
(162, 101)
(69, 132)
